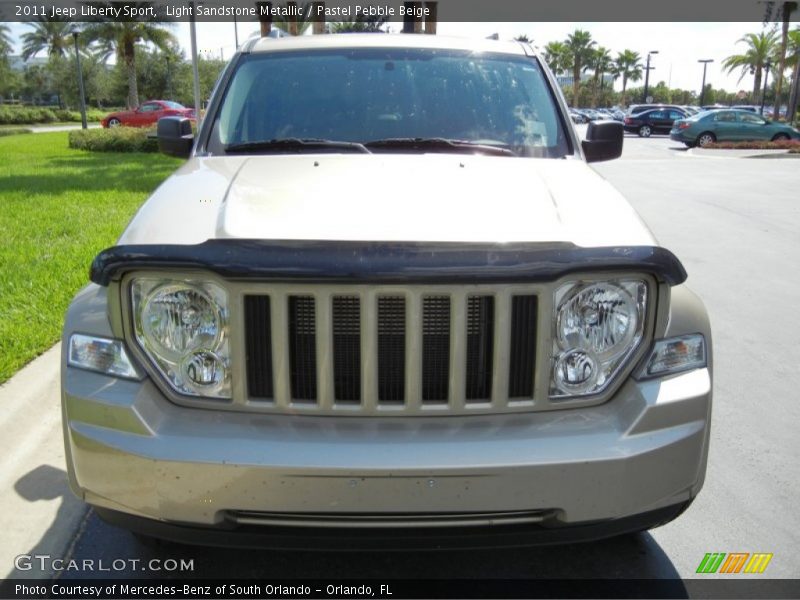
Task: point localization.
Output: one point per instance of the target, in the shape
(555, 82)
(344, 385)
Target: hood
(382, 197)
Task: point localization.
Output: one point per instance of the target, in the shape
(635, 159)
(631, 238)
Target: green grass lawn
(58, 209)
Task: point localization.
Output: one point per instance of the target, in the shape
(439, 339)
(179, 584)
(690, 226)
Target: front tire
(645, 131)
(780, 137)
(113, 122)
(704, 139)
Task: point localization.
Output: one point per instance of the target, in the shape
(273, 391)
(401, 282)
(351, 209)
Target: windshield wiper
(296, 145)
(441, 144)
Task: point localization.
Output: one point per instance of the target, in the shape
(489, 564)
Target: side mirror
(175, 136)
(603, 141)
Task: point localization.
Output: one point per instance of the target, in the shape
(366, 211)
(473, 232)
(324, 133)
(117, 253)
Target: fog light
(203, 371)
(575, 371)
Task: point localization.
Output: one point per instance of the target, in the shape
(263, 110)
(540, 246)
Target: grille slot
(480, 343)
(435, 348)
(302, 348)
(347, 348)
(522, 359)
(258, 347)
(391, 349)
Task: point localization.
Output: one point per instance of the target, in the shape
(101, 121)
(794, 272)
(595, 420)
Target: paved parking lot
(735, 223)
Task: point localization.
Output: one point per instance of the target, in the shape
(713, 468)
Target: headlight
(182, 326)
(598, 325)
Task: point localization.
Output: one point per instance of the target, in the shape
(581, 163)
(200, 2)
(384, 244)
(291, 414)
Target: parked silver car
(386, 300)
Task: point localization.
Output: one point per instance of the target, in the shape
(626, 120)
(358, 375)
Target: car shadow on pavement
(43, 484)
(629, 557)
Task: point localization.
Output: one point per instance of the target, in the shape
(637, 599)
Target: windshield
(368, 95)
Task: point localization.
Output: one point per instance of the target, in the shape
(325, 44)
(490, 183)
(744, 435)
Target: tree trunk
(594, 89)
(795, 90)
(624, 87)
(576, 84)
(786, 10)
(130, 65)
(757, 86)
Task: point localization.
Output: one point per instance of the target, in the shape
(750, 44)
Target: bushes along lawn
(118, 139)
(29, 115)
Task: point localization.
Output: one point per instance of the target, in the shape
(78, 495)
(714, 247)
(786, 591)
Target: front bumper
(132, 451)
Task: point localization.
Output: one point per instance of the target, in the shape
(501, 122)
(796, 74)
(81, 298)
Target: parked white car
(386, 300)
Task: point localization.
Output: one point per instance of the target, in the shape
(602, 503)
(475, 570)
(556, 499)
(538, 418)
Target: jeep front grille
(362, 350)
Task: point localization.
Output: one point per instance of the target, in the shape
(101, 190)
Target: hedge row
(29, 115)
(14, 131)
(118, 139)
(755, 145)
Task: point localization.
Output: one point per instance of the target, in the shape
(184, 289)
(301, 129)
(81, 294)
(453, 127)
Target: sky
(679, 45)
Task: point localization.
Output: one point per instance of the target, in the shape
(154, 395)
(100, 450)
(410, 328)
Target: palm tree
(601, 63)
(5, 41)
(794, 62)
(580, 48)
(628, 65)
(123, 37)
(361, 24)
(786, 10)
(524, 39)
(760, 47)
(54, 37)
(295, 26)
(555, 55)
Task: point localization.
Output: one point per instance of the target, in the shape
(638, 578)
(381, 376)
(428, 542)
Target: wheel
(780, 137)
(704, 139)
(645, 131)
(114, 122)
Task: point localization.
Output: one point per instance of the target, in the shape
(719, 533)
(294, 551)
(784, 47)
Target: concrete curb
(40, 515)
(733, 153)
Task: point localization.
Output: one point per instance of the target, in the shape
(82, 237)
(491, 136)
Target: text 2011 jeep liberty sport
(386, 301)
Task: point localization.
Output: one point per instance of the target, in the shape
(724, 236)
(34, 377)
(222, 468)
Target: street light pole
(705, 62)
(647, 74)
(84, 125)
(195, 71)
(767, 65)
(169, 79)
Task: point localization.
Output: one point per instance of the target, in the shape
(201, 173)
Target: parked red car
(147, 114)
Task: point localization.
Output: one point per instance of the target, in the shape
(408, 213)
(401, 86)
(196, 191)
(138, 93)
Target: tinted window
(726, 117)
(657, 114)
(150, 107)
(674, 114)
(174, 105)
(367, 94)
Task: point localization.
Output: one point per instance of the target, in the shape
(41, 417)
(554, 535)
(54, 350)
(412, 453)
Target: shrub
(23, 115)
(29, 115)
(14, 131)
(118, 139)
